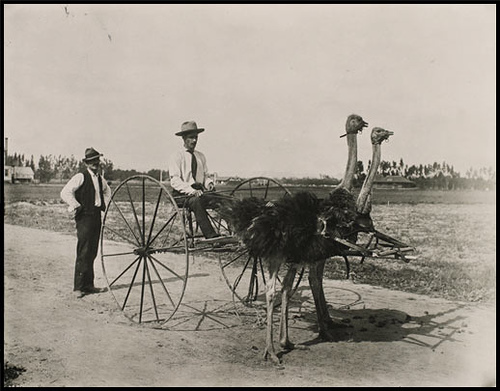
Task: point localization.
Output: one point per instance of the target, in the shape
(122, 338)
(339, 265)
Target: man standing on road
(87, 194)
(189, 178)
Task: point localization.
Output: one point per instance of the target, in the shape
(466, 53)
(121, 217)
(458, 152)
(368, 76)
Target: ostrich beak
(364, 124)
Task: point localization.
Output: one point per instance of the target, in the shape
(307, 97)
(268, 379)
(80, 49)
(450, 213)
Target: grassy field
(50, 192)
(454, 233)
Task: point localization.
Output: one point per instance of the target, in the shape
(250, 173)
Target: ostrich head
(379, 134)
(354, 124)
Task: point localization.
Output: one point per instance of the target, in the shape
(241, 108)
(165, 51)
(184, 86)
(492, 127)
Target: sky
(272, 85)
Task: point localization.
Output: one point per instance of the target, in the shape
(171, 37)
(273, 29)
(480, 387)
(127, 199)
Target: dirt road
(394, 338)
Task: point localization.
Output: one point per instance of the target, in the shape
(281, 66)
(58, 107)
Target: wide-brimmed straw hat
(91, 154)
(189, 127)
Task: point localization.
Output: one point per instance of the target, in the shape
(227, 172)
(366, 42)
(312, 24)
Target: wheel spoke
(217, 223)
(253, 287)
(144, 267)
(267, 189)
(262, 271)
(134, 211)
(170, 220)
(118, 254)
(151, 288)
(238, 278)
(124, 271)
(169, 269)
(121, 236)
(163, 284)
(131, 283)
(244, 252)
(149, 241)
(174, 247)
(126, 222)
(143, 211)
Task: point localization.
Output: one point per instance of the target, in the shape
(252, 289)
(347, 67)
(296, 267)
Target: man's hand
(74, 212)
(197, 186)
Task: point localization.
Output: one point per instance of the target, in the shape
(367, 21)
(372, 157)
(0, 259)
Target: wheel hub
(143, 251)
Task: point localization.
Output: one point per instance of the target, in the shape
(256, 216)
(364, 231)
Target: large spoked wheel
(144, 251)
(246, 275)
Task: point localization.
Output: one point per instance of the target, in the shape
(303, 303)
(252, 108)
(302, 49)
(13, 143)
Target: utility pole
(5, 150)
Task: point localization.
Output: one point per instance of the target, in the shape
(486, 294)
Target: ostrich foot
(272, 355)
(291, 346)
(333, 331)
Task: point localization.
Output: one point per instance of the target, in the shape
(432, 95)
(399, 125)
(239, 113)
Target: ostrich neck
(352, 157)
(363, 204)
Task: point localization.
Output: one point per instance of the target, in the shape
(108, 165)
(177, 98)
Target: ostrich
(340, 200)
(288, 233)
(296, 230)
(343, 218)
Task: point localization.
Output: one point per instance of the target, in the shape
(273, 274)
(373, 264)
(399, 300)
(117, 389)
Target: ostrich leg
(285, 298)
(325, 322)
(274, 266)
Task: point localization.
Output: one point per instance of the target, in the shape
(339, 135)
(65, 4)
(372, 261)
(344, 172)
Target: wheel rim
(246, 275)
(144, 252)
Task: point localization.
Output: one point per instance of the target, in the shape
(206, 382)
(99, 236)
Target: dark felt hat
(91, 154)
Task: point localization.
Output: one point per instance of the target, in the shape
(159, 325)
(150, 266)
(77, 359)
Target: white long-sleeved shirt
(68, 191)
(181, 177)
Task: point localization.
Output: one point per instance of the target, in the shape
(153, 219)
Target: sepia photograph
(249, 195)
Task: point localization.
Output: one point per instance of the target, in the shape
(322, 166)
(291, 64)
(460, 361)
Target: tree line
(437, 176)
(440, 176)
(60, 168)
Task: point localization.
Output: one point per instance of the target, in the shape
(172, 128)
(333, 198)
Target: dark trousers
(88, 229)
(199, 207)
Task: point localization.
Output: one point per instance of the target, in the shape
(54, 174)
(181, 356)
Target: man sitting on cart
(189, 178)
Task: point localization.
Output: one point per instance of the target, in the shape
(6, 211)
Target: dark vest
(85, 194)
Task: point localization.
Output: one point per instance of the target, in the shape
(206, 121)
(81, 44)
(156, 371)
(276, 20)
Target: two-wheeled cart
(148, 238)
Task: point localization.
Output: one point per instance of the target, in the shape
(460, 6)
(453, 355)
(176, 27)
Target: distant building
(227, 180)
(392, 182)
(14, 174)
(8, 173)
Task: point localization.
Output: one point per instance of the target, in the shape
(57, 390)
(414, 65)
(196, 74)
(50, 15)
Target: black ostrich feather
(339, 211)
(290, 229)
(284, 229)
(239, 213)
